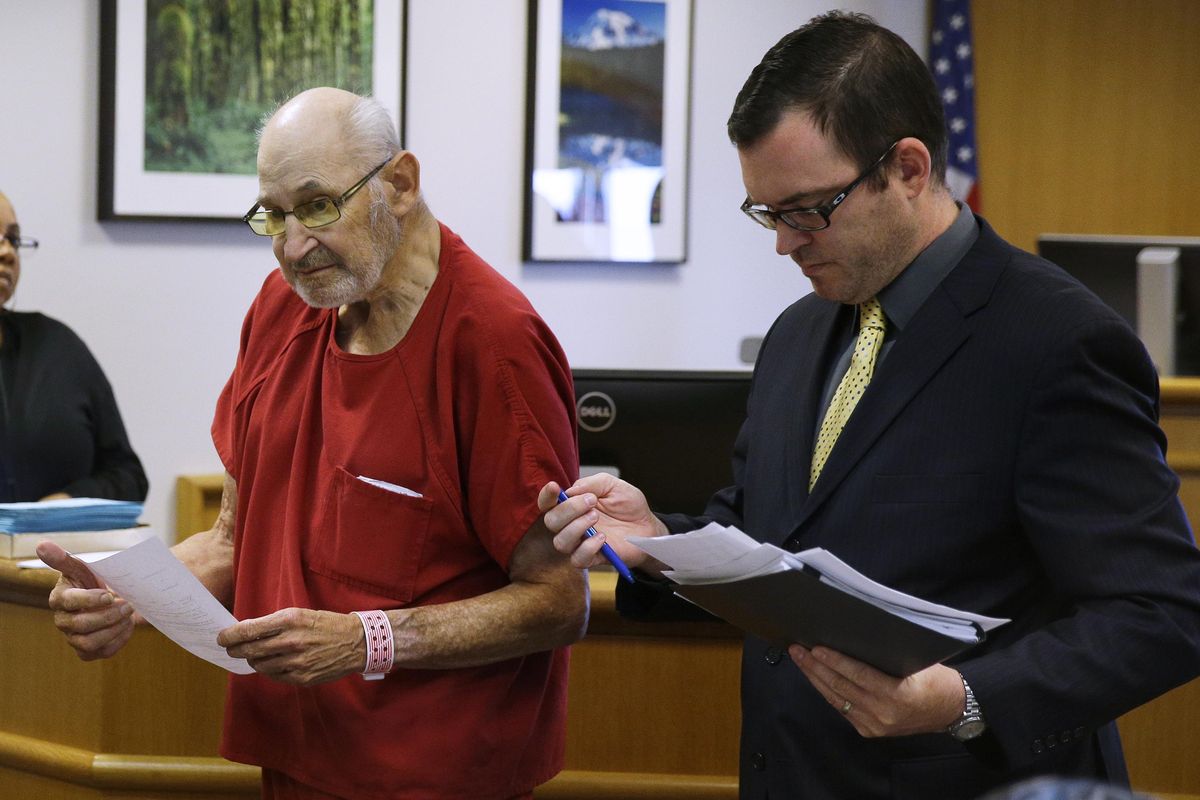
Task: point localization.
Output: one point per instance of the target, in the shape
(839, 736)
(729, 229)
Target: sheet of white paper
(87, 558)
(710, 546)
(390, 487)
(171, 599)
(66, 502)
(830, 566)
(718, 554)
(762, 560)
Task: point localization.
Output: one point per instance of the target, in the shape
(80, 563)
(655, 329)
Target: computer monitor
(1152, 281)
(669, 433)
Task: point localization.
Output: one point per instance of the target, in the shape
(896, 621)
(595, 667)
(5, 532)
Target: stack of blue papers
(72, 514)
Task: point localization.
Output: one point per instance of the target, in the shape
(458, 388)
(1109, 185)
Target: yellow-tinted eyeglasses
(313, 214)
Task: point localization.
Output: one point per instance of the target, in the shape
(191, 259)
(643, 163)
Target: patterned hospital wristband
(380, 647)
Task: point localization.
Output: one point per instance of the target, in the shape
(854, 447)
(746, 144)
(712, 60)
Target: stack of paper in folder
(79, 524)
(812, 598)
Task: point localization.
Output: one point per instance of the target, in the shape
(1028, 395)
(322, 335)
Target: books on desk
(24, 545)
(78, 524)
(69, 514)
(812, 598)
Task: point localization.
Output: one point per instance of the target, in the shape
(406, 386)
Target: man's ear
(403, 174)
(915, 165)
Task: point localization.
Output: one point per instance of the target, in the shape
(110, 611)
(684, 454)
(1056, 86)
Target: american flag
(953, 63)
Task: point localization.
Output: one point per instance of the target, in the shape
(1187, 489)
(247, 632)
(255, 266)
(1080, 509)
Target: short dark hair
(863, 85)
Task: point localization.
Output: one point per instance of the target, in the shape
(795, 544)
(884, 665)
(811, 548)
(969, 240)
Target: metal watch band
(971, 723)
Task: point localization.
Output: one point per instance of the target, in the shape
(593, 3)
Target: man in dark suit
(955, 418)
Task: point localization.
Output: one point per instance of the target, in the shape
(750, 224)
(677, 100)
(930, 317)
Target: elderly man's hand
(95, 621)
(299, 645)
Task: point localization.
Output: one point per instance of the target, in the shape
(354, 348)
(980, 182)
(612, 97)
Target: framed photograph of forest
(185, 84)
(607, 130)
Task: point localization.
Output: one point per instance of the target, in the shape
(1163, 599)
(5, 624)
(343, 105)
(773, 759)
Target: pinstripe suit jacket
(1005, 459)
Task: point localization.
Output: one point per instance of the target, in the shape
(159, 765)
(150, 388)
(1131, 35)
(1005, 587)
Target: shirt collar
(911, 288)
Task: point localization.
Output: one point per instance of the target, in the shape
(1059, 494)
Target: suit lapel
(931, 339)
(938, 329)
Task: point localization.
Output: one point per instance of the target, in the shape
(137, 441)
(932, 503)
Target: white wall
(160, 304)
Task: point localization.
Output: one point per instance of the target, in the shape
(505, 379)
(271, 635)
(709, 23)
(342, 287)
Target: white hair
(370, 132)
(370, 135)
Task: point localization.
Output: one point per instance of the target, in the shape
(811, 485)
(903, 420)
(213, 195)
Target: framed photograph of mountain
(607, 130)
(186, 83)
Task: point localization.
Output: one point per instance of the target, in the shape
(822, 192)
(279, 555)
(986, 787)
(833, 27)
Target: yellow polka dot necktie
(871, 327)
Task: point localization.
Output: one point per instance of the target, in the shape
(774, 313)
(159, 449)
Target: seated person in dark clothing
(61, 434)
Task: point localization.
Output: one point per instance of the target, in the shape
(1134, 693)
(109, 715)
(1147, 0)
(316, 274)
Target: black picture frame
(127, 190)
(607, 132)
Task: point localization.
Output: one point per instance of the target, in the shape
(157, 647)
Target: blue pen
(605, 550)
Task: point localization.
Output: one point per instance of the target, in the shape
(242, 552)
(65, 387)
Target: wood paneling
(126, 728)
(653, 709)
(1088, 116)
(654, 704)
(197, 503)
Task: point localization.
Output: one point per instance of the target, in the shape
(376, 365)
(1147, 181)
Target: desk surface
(29, 587)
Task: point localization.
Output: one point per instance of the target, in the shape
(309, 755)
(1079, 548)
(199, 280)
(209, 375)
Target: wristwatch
(970, 724)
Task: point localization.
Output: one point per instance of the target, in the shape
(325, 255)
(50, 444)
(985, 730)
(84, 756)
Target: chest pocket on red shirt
(372, 538)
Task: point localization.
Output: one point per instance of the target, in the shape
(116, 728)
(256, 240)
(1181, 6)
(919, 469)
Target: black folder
(795, 606)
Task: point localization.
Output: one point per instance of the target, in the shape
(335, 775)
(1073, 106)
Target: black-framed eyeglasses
(17, 241)
(809, 219)
(313, 214)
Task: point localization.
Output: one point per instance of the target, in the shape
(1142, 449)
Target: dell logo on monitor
(597, 411)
